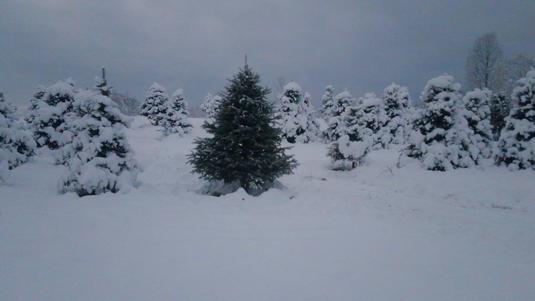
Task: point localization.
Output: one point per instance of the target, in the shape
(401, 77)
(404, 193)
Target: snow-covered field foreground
(375, 233)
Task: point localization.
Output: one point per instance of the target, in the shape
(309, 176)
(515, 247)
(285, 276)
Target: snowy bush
(441, 138)
(516, 147)
(156, 104)
(210, 105)
(296, 115)
(176, 119)
(16, 142)
(396, 118)
(334, 129)
(477, 113)
(101, 159)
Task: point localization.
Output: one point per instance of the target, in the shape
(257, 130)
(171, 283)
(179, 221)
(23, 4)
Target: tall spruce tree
(245, 148)
(516, 147)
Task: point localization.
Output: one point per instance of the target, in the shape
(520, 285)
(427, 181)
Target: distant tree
(156, 104)
(478, 114)
(35, 103)
(484, 66)
(176, 120)
(396, 117)
(500, 106)
(128, 105)
(517, 68)
(511, 71)
(102, 84)
(334, 120)
(210, 105)
(372, 118)
(244, 148)
(327, 101)
(312, 127)
(296, 115)
(101, 158)
(356, 138)
(516, 147)
(16, 142)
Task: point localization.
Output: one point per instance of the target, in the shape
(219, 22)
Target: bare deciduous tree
(517, 68)
(484, 66)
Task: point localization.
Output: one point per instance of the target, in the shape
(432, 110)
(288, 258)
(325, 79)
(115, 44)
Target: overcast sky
(196, 44)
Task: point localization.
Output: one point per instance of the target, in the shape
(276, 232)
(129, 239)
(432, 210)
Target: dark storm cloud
(358, 45)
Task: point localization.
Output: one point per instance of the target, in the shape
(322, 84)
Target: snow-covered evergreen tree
(210, 105)
(244, 147)
(477, 113)
(355, 140)
(156, 104)
(296, 115)
(35, 103)
(396, 117)
(441, 138)
(334, 120)
(102, 159)
(516, 147)
(53, 112)
(176, 119)
(327, 101)
(16, 142)
(311, 124)
(372, 117)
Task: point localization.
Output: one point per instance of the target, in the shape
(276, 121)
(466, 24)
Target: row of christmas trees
(450, 131)
(85, 130)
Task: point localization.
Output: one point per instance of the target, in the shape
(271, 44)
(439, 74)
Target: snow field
(374, 233)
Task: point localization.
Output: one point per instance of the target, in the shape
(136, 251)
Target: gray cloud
(197, 44)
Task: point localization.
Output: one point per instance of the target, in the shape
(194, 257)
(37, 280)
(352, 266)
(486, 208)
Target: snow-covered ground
(374, 233)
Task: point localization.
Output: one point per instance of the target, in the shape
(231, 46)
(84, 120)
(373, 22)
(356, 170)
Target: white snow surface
(374, 233)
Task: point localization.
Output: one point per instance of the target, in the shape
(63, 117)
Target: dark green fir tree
(244, 148)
